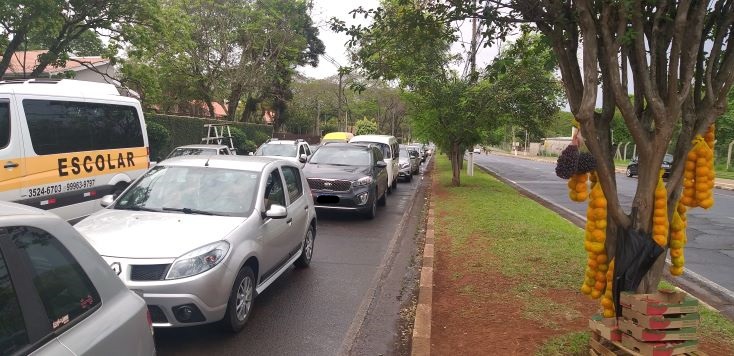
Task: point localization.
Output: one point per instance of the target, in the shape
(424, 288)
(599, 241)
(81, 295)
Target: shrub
(159, 140)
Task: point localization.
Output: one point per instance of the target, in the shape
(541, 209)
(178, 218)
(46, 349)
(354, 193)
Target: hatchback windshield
(193, 190)
(277, 150)
(344, 156)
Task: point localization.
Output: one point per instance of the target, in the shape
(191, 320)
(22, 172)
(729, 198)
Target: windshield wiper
(189, 211)
(137, 208)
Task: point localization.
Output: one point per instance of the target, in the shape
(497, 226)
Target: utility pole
(473, 54)
(339, 101)
(318, 117)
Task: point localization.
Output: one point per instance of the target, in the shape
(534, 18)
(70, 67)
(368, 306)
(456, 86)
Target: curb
(421, 342)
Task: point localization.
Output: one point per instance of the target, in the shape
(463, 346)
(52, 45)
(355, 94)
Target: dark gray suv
(346, 176)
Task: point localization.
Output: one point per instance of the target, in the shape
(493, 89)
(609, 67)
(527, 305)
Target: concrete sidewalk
(720, 183)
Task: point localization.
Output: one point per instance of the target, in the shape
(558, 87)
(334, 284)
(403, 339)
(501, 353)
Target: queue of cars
(192, 240)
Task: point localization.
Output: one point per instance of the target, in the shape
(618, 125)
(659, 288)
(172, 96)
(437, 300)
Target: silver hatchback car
(200, 237)
(58, 297)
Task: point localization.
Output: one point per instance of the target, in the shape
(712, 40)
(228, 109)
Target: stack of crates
(659, 324)
(662, 323)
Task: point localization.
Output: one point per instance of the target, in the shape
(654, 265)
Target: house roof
(23, 62)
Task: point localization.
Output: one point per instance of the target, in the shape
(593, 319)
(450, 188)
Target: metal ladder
(219, 134)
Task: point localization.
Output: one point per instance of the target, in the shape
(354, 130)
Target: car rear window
(64, 288)
(13, 334)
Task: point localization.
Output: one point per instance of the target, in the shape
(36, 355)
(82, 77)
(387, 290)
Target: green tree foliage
(71, 26)
(232, 51)
(524, 85)
(365, 126)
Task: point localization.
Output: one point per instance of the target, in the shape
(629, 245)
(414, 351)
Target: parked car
(666, 165)
(477, 150)
(293, 150)
(409, 164)
(341, 137)
(58, 296)
(346, 176)
(200, 237)
(200, 150)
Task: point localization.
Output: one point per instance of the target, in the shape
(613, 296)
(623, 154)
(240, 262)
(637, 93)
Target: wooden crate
(606, 327)
(627, 326)
(599, 346)
(664, 302)
(665, 348)
(671, 321)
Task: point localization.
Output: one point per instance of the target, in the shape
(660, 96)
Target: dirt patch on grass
(476, 311)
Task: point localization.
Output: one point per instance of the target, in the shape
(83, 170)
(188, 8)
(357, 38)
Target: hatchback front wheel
(241, 300)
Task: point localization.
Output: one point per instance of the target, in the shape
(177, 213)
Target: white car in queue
(200, 237)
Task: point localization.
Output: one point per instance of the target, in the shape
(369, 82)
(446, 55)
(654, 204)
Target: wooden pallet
(599, 346)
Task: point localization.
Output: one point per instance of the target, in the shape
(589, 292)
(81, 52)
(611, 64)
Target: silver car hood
(141, 234)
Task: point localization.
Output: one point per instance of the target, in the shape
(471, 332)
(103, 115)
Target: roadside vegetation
(516, 265)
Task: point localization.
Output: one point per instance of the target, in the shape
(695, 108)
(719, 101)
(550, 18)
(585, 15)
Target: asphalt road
(710, 249)
(325, 309)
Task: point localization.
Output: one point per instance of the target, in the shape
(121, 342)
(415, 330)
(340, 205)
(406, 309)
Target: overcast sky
(335, 43)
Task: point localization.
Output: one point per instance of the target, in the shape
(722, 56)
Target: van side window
(68, 126)
(64, 288)
(4, 124)
(13, 334)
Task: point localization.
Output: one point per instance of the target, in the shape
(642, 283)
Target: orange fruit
(608, 313)
(676, 271)
(600, 286)
(676, 252)
(601, 258)
(678, 261)
(606, 303)
(602, 267)
(600, 277)
(598, 235)
(691, 156)
(660, 239)
(659, 229)
(581, 196)
(707, 203)
(585, 289)
(601, 224)
(595, 294)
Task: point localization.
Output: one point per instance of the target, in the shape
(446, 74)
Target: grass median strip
(506, 256)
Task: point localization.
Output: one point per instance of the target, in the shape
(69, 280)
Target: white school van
(64, 144)
(390, 152)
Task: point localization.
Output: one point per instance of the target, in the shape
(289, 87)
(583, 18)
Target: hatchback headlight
(199, 260)
(362, 181)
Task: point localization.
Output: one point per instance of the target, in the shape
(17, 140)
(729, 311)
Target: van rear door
(11, 151)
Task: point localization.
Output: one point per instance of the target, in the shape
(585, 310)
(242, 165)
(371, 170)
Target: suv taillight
(150, 321)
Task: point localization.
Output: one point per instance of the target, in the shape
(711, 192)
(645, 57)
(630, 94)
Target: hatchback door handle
(289, 221)
(11, 165)
(305, 207)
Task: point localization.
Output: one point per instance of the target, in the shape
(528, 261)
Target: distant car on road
(293, 150)
(477, 150)
(666, 165)
(200, 150)
(346, 176)
(200, 237)
(59, 297)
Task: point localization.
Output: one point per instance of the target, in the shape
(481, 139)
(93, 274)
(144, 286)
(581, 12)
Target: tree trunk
(210, 106)
(10, 51)
(456, 160)
(233, 101)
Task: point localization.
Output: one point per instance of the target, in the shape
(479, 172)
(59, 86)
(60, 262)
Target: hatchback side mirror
(276, 212)
(302, 158)
(107, 200)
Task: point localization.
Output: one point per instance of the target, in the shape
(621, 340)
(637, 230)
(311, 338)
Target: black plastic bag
(635, 253)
